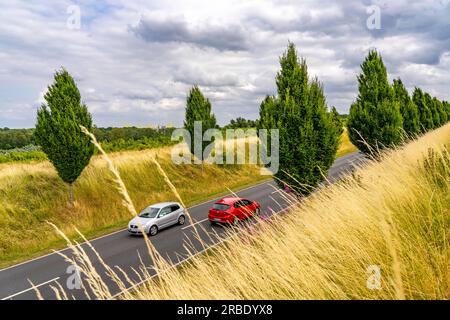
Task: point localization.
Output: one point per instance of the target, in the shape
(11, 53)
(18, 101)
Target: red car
(233, 210)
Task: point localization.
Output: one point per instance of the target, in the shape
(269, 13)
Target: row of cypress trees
(381, 116)
(308, 133)
(384, 115)
(59, 121)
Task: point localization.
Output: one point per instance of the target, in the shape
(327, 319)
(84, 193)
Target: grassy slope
(20, 156)
(393, 213)
(32, 193)
(346, 146)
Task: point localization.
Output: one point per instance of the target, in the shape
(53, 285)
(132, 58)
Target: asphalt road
(126, 251)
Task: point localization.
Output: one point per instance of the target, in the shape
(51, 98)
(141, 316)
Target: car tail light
(217, 212)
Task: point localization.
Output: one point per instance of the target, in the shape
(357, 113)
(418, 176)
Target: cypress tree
(409, 111)
(444, 113)
(337, 120)
(58, 129)
(198, 108)
(446, 107)
(375, 121)
(292, 79)
(268, 117)
(434, 112)
(308, 136)
(326, 130)
(441, 114)
(425, 115)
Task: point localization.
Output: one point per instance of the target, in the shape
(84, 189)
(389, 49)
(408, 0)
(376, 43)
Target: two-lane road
(125, 251)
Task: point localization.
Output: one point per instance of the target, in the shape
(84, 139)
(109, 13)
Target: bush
(27, 153)
(140, 144)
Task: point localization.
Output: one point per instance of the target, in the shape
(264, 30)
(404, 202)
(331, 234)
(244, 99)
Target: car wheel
(153, 230)
(181, 220)
(257, 212)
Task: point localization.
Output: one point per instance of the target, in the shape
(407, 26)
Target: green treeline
(129, 138)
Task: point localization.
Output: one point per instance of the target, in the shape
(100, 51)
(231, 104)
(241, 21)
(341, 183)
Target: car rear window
(221, 206)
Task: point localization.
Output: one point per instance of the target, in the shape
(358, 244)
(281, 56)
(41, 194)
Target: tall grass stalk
(31, 194)
(392, 213)
(127, 202)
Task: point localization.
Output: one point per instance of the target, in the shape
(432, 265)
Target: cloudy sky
(135, 60)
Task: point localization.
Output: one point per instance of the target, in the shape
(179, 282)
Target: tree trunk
(71, 197)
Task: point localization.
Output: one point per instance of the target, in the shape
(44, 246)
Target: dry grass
(31, 194)
(346, 146)
(393, 214)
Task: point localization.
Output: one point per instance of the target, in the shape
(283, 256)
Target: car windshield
(149, 213)
(221, 206)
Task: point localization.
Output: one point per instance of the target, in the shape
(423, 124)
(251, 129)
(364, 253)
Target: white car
(157, 217)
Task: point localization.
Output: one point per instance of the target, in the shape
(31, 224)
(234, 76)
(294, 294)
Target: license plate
(218, 220)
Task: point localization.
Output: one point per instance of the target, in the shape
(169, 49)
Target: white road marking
(191, 225)
(172, 266)
(121, 230)
(29, 289)
(189, 257)
(254, 186)
(141, 282)
(60, 250)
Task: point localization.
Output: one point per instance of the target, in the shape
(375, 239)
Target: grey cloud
(426, 21)
(231, 51)
(210, 78)
(139, 95)
(175, 29)
(328, 18)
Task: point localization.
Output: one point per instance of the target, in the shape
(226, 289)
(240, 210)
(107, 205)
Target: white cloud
(135, 60)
